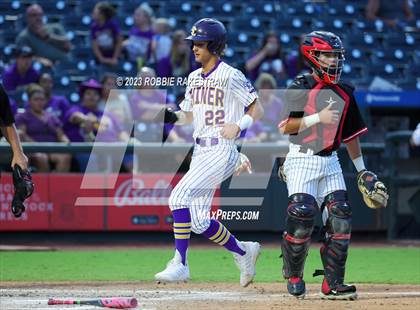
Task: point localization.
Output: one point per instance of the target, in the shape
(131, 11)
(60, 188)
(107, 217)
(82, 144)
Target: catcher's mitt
(24, 188)
(374, 191)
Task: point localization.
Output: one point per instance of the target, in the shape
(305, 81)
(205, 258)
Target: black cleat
(296, 287)
(341, 292)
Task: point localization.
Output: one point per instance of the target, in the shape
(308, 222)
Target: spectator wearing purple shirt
(161, 47)
(138, 45)
(105, 34)
(85, 121)
(295, 63)
(57, 105)
(269, 58)
(13, 106)
(36, 124)
(21, 72)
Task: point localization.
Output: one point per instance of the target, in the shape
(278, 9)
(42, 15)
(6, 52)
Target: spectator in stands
(48, 41)
(138, 44)
(180, 55)
(115, 102)
(391, 12)
(269, 58)
(57, 105)
(85, 120)
(105, 34)
(161, 47)
(37, 124)
(21, 72)
(13, 106)
(295, 63)
(263, 129)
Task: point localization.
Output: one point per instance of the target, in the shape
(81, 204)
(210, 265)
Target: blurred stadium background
(382, 61)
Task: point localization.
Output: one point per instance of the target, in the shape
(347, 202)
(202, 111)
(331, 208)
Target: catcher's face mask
(330, 64)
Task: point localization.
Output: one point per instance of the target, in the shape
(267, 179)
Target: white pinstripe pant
(209, 167)
(315, 175)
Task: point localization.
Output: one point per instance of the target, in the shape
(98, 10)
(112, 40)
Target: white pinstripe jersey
(216, 98)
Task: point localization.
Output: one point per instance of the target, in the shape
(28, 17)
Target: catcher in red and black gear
(22, 180)
(321, 112)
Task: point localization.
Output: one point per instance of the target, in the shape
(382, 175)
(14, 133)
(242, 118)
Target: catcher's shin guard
(301, 213)
(335, 248)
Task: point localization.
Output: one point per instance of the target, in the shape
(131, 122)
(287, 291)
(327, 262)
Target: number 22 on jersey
(215, 118)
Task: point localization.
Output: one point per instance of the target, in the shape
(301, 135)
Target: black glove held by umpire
(24, 188)
(168, 116)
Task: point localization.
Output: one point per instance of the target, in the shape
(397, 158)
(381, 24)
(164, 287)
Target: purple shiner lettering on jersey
(208, 95)
(219, 97)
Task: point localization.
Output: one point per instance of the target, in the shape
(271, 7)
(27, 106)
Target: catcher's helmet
(211, 30)
(318, 42)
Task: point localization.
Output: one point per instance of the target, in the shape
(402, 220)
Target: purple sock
(220, 235)
(182, 231)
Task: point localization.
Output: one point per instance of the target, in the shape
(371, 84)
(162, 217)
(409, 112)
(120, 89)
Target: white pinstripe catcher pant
(210, 166)
(315, 175)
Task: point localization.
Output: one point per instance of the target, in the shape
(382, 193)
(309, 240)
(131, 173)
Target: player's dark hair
(106, 9)
(33, 89)
(108, 75)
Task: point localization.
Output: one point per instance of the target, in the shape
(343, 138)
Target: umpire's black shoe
(342, 292)
(296, 287)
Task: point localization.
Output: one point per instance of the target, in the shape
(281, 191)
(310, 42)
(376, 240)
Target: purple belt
(207, 141)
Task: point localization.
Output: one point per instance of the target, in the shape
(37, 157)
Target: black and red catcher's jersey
(307, 96)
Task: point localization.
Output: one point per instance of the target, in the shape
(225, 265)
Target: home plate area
(205, 296)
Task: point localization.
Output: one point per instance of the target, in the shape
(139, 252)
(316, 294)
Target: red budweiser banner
(60, 204)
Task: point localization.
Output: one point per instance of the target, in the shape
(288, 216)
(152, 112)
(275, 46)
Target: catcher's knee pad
(338, 209)
(301, 213)
(338, 230)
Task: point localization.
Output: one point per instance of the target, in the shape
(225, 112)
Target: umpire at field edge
(8, 129)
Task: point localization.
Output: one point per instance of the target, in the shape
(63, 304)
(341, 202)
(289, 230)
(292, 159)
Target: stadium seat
(304, 9)
(362, 41)
(341, 9)
(395, 56)
(75, 22)
(226, 9)
(352, 71)
(386, 71)
(268, 9)
(11, 8)
(401, 41)
(57, 7)
(254, 24)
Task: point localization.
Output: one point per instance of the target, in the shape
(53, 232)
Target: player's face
(201, 53)
(24, 63)
(91, 98)
(46, 83)
(37, 102)
(327, 59)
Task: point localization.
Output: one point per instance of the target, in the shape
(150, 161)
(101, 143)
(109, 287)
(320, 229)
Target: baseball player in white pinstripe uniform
(215, 100)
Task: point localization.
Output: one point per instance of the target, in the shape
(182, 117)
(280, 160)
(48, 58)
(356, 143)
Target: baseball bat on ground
(115, 302)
